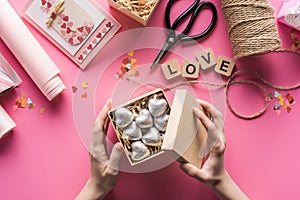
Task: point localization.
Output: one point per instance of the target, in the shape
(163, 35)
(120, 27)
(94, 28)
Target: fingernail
(196, 110)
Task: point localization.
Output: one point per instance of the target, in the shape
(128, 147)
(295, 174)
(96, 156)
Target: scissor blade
(160, 55)
(164, 50)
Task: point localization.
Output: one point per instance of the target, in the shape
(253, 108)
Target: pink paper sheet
(29, 53)
(7, 73)
(6, 123)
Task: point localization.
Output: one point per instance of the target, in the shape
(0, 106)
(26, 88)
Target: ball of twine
(251, 26)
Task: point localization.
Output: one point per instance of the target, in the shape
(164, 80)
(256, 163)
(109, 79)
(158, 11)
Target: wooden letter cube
(224, 66)
(171, 69)
(206, 58)
(190, 69)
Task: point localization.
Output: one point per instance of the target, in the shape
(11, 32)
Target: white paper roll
(29, 52)
(6, 123)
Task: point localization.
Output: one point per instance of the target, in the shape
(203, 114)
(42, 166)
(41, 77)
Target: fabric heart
(152, 137)
(70, 40)
(161, 122)
(80, 29)
(63, 32)
(99, 35)
(90, 47)
(80, 38)
(144, 120)
(94, 41)
(66, 18)
(68, 30)
(132, 132)
(139, 151)
(157, 107)
(70, 24)
(108, 24)
(123, 117)
(88, 29)
(64, 25)
(49, 5)
(80, 57)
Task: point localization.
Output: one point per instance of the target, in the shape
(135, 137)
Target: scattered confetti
(24, 102)
(131, 53)
(289, 98)
(74, 89)
(84, 95)
(129, 69)
(85, 85)
(42, 110)
(286, 102)
(295, 36)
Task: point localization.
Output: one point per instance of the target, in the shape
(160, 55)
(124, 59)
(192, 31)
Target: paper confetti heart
(84, 95)
(24, 102)
(289, 98)
(286, 102)
(74, 89)
(128, 69)
(131, 53)
(42, 110)
(85, 85)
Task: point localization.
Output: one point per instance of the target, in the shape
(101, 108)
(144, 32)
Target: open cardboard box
(184, 134)
(142, 20)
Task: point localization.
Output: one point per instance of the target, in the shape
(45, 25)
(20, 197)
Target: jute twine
(260, 84)
(251, 26)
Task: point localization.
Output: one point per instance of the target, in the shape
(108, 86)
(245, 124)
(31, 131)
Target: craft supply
(224, 66)
(129, 68)
(24, 102)
(6, 123)
(8, 77)
(133, 122)
(295, 36)
(194, 10)
(231, 81)
(184, 135)
(251, 26)
(79, 28)
(139, 10)
(289, 14)
(171, 69)
(29, 53)
(206, 58)
(285, 101)
(190, 69)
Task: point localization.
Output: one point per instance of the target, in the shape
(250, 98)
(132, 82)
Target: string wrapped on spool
(251, 27)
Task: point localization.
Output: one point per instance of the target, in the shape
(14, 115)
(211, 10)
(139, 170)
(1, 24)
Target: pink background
(44, 158)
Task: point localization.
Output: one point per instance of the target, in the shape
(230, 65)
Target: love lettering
(191, 69)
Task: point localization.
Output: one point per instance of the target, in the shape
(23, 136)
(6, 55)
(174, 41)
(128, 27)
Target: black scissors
(195, 9)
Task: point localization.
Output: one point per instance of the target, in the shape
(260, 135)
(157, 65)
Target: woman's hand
(103, 170)
(213, 172)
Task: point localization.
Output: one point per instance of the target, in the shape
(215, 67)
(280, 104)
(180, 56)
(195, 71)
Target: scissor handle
(183, 36)
(183, 15)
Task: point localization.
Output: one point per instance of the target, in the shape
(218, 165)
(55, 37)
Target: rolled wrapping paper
(6, 123)
(29, 52)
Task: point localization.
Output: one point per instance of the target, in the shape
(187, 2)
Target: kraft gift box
(184, 134)
(133, 15)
